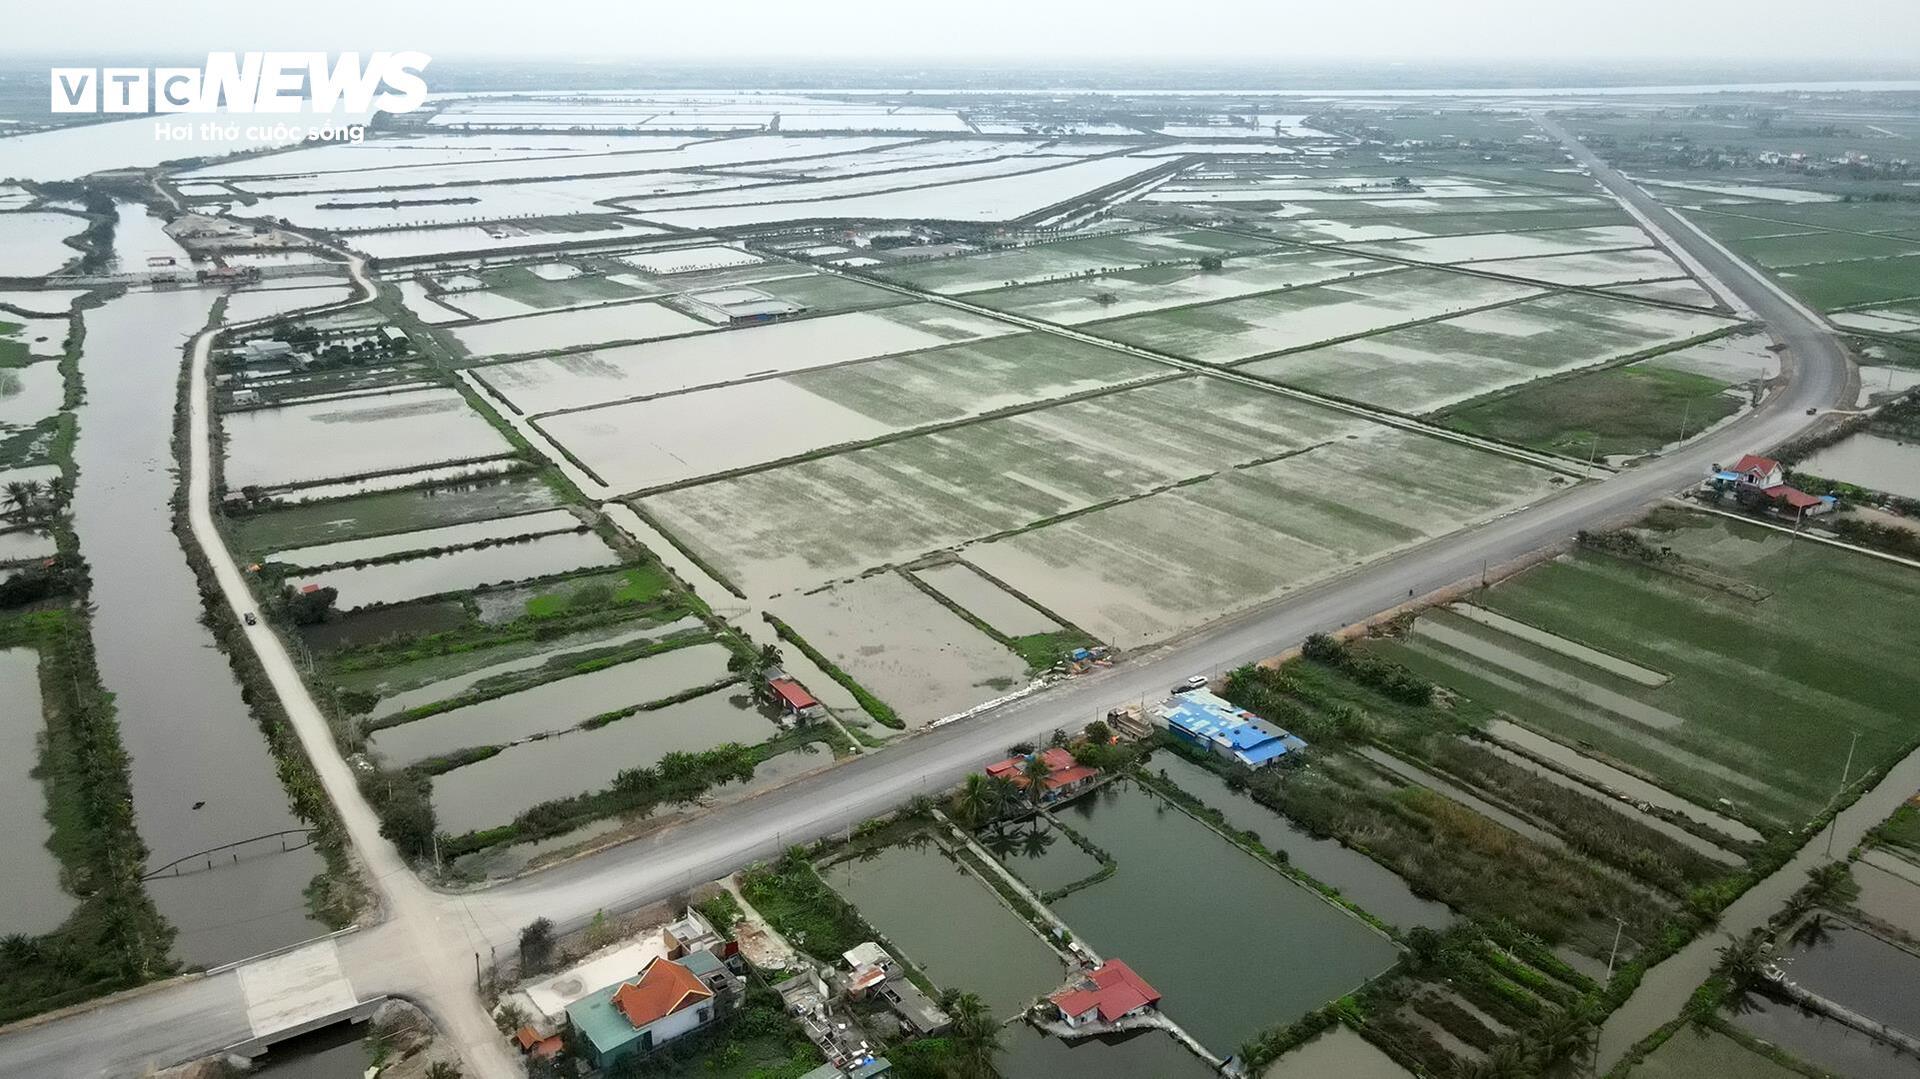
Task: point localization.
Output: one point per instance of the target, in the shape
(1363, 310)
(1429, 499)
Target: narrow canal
(202, 775)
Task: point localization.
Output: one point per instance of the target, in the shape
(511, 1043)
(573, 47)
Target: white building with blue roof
(1217, 726)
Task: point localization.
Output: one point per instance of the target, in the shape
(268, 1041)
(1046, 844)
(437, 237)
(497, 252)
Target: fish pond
(494, 791)
(31, 900)
(966, 940)
(1233, 945)
(554, 706)
(1376, 889)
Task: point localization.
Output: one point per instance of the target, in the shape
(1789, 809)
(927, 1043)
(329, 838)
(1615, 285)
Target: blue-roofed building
(1217, 726)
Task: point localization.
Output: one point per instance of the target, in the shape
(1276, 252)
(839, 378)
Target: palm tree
(999, 842)
(1036, 773)
(977, 801)
(1035, 841)
(1815, 931)
(1831, 883)
(59, 491)
(1564, 1035)
(975, 1037)
(1741, 961)
(19, 495)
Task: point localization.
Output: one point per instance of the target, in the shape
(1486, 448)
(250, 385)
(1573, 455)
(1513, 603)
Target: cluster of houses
(1762, 481)
(1065, 776)
(636, 998)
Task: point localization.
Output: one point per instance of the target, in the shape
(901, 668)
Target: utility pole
(1686, 410)
(1591, 454)
(1619, 925)
(1846, 772)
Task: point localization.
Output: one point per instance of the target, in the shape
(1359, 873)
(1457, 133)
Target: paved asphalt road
(407, 954)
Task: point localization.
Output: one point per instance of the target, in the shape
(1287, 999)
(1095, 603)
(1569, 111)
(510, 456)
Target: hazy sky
(1067, 31)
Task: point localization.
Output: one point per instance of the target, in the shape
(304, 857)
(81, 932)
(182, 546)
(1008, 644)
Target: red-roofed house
(793, 696)
(1064, 775)
(1106, 995)
(665, 989)
(1797, 502)
(1757, 471)
(670, 999)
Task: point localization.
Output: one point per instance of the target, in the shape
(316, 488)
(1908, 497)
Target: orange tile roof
(664, 987)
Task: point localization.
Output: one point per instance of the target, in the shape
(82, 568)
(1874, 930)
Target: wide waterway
(202, 775)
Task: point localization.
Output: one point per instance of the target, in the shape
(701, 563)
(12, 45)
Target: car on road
(1191, 684)
(250, 619)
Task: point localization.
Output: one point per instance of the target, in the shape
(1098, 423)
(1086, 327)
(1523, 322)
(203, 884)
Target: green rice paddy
(1768, 694)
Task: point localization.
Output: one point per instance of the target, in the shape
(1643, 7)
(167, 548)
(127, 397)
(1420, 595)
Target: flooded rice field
(251, 305)
(1064, 259)
(33, 244)
(1510, 245)
(1424, 367)
(986, 600)
(1339, 1052)
(1156, 288)
(394, 511)
(1376, 889)
(834, 516)
(401, 244)
(494, 790)
(581, 380)
(31, 898)
(1736, 359)
(457, 535)
(1029, 1054)
(202, 775)
(1235, 330)
(1594, 268)
(1871, 461)
(333, 439)
(431, 575)
(672, 438)
(394, 481)
(642, 321)
(967, 941)
(1148, 569)
(1292, 951)
(901, 644)
(553, 707)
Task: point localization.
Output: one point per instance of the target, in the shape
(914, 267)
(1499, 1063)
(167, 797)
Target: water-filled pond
(1377, 890)
(966, 940)
(31, 900)
(553, 706)
(1869, 460)
(497, 789)
(1184, 900)
(413, 578)
(1028, 1054)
